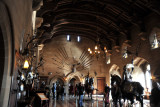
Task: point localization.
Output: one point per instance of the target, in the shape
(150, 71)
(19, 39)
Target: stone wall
(15, 16)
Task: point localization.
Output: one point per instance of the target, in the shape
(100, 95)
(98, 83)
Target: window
(148, 78)
(68, 38)
(155, 43)
(78, 38)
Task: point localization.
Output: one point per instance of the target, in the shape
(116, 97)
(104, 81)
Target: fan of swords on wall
(64, 62)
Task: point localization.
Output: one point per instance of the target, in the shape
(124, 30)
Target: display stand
(43, 98)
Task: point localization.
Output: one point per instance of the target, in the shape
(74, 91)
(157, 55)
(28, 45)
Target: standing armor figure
(127, 74)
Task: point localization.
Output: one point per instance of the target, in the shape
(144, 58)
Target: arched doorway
(141, 73)
(60, 81)
(114, 70)
(72, 84)
(57, 79)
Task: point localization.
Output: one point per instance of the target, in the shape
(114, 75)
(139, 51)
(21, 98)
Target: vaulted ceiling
(107, 20)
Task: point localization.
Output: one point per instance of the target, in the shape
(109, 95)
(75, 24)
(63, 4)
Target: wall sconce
(26, 65)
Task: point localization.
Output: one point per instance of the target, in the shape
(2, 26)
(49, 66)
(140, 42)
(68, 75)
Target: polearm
(88, 61)
(87, 57)
(82, 54)
(61, 53)
(66, 52)
(63, 61)
(57, 61)
(85, 65)
(63, 68)
(56, 64)
(62, 49)
(84, 57)
(84, 68)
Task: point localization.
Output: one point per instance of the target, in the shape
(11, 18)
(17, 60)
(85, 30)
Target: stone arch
(114, 70)
(77, 79)
(154, 32)
(141, 73)
(7, 54)
(77, 76)
(55, 78)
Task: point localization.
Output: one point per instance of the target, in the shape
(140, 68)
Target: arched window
(142, 74)
(148, 78)
(155, 38)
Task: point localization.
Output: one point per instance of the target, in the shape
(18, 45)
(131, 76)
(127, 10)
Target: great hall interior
(56, 52)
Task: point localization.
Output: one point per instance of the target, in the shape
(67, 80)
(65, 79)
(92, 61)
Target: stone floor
(96, 102)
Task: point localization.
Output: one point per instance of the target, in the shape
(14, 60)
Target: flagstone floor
(96, 102)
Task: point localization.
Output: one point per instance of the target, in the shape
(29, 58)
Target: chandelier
(97, 52)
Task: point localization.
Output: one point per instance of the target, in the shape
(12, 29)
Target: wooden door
(100, 85)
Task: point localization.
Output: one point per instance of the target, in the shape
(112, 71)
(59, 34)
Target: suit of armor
(127, 74)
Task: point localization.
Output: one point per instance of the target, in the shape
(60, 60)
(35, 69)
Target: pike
(84, 57)
(57, 61)
(84, 68)
(62, 60)
(88, 63)
(66, 52)
(82, 53)
(87, 57)
(62, 49)
(62, 53)
(56, 64)
(88, 60)
(63, 68)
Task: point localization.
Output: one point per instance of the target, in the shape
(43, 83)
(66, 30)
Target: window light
(68, 38)
(155, 43)
(78, 38)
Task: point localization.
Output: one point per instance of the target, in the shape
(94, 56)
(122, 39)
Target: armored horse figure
(126, 88)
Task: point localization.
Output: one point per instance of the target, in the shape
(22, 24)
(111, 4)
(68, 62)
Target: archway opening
(58, 81)
(142, 74)
(154, 37)
(72, 84)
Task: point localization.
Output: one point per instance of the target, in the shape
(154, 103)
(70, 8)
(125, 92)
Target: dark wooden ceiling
(107, 20)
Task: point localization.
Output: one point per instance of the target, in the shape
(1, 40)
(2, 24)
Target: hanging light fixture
(26, 64)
